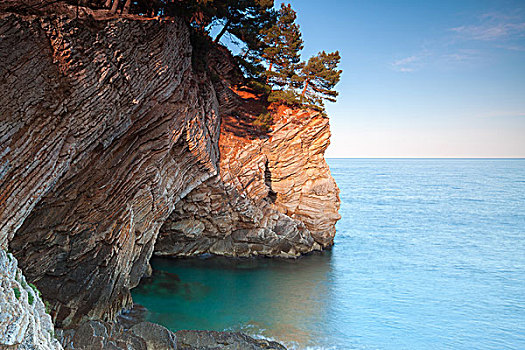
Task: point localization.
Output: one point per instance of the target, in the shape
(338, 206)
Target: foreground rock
(24, 323)
(97, 335)
(208, 340)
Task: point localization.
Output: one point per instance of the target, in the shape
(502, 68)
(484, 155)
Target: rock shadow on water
(169, 285)
(216, 262)
(282, 299)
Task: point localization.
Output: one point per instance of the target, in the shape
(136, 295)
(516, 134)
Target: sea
(429, 254)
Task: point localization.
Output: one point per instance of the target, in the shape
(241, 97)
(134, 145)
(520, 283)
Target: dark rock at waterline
(98, 335)
(210, 340)
(155, 336)
(131, 317)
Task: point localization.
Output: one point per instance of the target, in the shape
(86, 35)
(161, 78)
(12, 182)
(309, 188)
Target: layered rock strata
(24, 323)
(105, 126)
(273, 196)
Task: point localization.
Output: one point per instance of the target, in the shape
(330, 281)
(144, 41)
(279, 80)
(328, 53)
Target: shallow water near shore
(428, 253)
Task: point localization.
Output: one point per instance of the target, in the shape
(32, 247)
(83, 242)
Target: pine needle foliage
(319, 77)
(282, 49)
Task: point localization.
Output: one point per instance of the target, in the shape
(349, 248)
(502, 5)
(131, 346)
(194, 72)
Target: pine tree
(282, 45)
(241, 16)
(319, 77)
(249, 29)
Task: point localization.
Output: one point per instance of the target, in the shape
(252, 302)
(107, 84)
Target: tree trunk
(269, 70)
(127, 5)
(107, 4)
(115, 6)
(218, 37)
(305, 87)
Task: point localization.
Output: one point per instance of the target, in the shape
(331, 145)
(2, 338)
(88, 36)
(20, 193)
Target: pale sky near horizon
(423, 78)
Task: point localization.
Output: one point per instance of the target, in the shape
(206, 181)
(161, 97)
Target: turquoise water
(428, 254)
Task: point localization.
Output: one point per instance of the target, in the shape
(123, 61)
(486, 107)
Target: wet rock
(155, 336)
(210, 340)
(128, 318)
(97, 335)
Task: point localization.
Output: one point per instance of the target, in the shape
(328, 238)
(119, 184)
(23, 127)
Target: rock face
(24, 323)
(98, 335)
(105, 127)
(273, 196)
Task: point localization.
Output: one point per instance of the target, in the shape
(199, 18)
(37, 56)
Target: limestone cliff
(110, 133)
(274, 195)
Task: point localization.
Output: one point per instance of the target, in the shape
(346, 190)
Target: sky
(422, 78)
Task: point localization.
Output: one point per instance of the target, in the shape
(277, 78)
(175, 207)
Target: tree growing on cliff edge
(282, 44)
(319, 77)
(294, 82)
(271, 41)
(245, 23)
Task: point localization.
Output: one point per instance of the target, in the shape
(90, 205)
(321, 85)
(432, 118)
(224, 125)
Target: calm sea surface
(429, 254)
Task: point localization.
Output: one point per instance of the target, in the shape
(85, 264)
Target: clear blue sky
(423, 78)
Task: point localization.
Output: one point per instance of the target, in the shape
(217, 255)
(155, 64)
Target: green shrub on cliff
(282, 49)
(16, 290)
(296, 83)
(319, 77)
(48, 307)
(264, 121)
(30, 298)
(37, 292)
(288, 97)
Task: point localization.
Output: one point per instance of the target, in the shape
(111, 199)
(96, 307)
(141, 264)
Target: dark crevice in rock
(272, 195)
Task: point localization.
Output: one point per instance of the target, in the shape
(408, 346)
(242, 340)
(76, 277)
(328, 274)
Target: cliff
(110, 134)
(107, 128)
(273, 196)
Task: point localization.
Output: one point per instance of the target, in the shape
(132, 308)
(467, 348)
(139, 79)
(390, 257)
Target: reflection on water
(275, 298)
